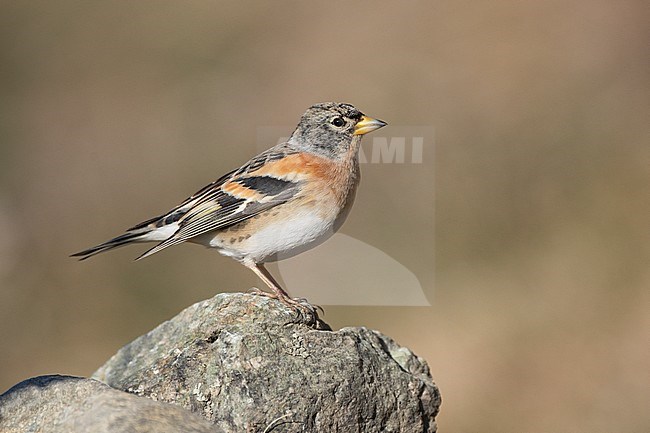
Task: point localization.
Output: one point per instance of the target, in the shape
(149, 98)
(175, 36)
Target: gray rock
(68, 404)
(249, 364)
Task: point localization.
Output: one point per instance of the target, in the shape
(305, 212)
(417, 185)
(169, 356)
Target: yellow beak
(368, 124)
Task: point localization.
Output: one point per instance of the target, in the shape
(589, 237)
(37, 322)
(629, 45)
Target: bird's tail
(126, 238)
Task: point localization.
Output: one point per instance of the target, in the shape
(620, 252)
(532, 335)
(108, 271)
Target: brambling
(283, 201)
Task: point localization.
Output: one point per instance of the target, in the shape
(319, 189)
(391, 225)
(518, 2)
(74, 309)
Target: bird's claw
(306, 312)
(259, 292)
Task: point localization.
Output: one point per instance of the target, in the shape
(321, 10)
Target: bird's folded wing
(235, 198)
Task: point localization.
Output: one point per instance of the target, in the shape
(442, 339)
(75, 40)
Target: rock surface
(68, 404)
(247, 364)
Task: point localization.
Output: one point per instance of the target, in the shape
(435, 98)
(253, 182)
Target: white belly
(276, 239)
(289, 237)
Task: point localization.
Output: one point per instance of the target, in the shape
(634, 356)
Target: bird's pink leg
(277, 291)
(260, 271)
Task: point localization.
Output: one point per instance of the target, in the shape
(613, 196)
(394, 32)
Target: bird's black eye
(338, 122)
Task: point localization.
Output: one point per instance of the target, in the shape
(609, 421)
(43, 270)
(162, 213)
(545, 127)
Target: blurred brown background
(113, 112)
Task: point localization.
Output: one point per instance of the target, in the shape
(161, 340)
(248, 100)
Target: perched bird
(283, 201)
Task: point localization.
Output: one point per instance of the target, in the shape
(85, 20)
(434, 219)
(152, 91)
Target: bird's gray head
(330, 128)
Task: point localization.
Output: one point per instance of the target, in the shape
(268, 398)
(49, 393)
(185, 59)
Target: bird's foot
(313, 307)
(305, 312)
(259, 292)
